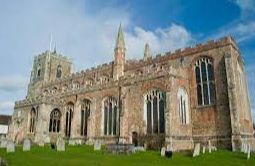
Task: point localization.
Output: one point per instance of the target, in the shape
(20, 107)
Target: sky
(85, 31)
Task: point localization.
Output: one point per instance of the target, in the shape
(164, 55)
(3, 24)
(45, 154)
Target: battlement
(55, 55)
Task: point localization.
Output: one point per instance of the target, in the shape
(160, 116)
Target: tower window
(39, 70)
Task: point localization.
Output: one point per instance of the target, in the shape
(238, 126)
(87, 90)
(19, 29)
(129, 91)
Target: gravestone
(10, 147)
(210, 146)
(97, 145)
(169, 148)
(163, 152)
(60, 144)
(242, 147)
(248, 152)
(203, 149)
(245, 148)
(26, 145)
(138, 149)
(47, 139)
(72, 142)
(3, 143)
(196, 150)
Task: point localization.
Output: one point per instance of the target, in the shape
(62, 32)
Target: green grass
(84, 155)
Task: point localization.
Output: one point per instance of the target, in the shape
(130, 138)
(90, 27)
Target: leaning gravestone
(47, 139)
(248, 152)
(210, 146)
(3, 143)
(163, 152)
(10, 147)
(60, 145)
(97, 145)
(196, 150)
(26, 145)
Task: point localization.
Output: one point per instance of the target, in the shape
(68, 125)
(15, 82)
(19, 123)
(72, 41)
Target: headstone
(97, 145)
(72, 142)
(26, 145)
(169, 148)
(245, 148)
(196, 150)
(41, 144)
(138, 149)
(10, 147)
(3, 143)
(249, 152)
(47, 139)
(53, 146)
(60, 144)
(163, 152)
(169, 154)
(203, 149)
(242, 147)
(210, 146)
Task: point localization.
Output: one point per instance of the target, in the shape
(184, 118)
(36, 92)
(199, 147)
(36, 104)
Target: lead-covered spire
(120, 43)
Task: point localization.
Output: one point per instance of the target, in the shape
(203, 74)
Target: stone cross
(97, 145)
(163, 152)
(60, 144)
(196, 150)
(26, 145)
(10, 147)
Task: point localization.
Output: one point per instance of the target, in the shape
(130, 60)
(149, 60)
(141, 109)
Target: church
(178, 98)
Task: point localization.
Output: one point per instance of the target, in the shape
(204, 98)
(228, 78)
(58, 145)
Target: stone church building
(187, 96)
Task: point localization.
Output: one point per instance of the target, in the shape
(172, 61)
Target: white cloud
(6, 107)
(12, 83)
(160, 40)
(245, 4)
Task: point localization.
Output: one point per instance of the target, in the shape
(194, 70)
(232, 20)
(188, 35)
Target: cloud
(241, 31)
(13, 83)
(6, 107)
(160, 40)
(245, 4)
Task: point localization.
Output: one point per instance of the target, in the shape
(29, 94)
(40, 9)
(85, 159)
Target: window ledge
(205, 106)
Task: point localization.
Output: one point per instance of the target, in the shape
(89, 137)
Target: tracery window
(183, 106)
(85, 113)
(32, 120)
(55, 121)
(111, 116)
(69, 117)
(155, 111)
(205, 81)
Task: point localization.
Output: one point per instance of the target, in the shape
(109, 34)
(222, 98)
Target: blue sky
(85, 31)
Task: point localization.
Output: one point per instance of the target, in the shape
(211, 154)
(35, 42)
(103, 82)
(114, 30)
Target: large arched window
(183, 106)
(32, 120)
(55, 121)
(205, 81)
(69, 117)
(155, 111)
(85, 112)
(59, 71)
(111, 116)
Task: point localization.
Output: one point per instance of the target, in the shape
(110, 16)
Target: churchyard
(97, 155)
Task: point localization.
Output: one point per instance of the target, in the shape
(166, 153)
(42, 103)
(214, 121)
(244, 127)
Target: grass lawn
(84, 155)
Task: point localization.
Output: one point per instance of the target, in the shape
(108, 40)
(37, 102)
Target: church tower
(119, 55)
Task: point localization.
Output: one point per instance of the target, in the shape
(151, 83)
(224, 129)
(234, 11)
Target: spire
(120, 43)
(147, 52)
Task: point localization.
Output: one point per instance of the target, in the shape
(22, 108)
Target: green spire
(120, 43)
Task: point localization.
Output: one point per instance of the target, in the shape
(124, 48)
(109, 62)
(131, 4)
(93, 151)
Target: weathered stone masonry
(191, 95)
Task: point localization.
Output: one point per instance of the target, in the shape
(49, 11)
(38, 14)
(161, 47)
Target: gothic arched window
(85, 113)
(55, 116)
(205, 81)
(69, 117)
(183, 106)
(155, 111)
(59, 71)
(111, 115)
(32, 120)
